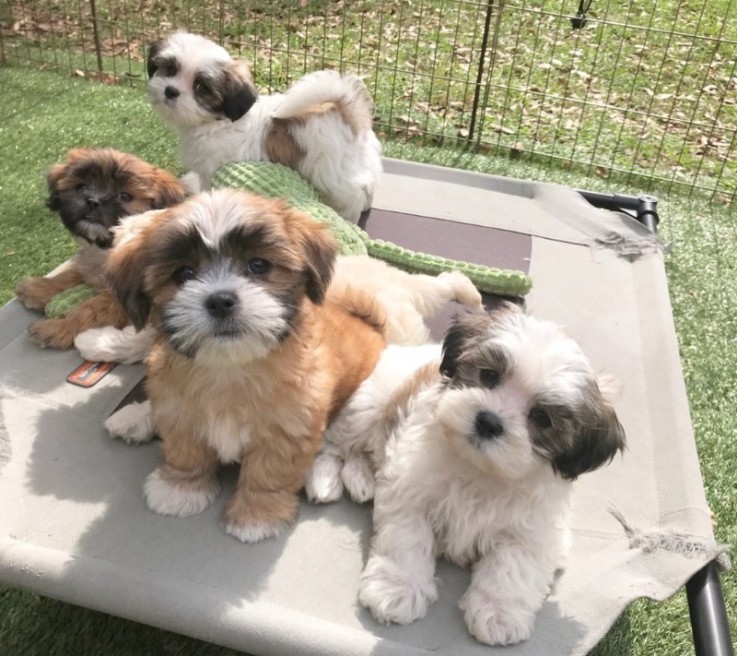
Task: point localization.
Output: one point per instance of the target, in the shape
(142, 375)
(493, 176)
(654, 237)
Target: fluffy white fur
(461, 469)
(133, 423)
(407, 299)
(254, 532)
(342, 165)
(167, 499)
(110, 344)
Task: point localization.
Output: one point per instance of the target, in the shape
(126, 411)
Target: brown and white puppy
(321, 126)
(251, 361)
(475, 446)
(92, 190)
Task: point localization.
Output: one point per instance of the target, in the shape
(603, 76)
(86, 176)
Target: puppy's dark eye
(125, 197)
(539, 417)
(80, 187)
(183, 274)
(258, 266)
(489, 378)
(202, 88)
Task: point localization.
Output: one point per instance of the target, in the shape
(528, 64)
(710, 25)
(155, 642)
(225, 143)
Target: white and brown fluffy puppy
(251, 361)
(92, 190)
(475, 447)
(321, 126)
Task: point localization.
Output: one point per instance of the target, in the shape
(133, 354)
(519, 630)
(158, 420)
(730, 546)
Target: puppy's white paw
(133, 423)
(358, 478)
(165, 498)
(252, 531)
(392, 594)
(111, 344)
(322, 482)
(495, 622)
(463, 289)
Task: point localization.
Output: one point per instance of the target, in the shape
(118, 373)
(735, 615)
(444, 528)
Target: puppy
(92, 190)
(251, 361)
(321, 126)
(475, 446)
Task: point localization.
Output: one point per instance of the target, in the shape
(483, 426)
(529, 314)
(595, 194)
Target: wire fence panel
(645, 91)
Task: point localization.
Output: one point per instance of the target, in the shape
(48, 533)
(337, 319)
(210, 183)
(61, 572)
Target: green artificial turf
(42, 115)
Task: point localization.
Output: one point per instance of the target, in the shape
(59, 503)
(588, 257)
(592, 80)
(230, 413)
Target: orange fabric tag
(88, 373)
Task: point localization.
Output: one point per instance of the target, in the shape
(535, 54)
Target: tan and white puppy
(321, 126)
(92, 190)
(475, 446)
(251, 361)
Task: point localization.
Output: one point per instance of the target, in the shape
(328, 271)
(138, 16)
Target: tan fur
(281, 148)
(190, 463)
(357, 115)
(150, 187)
(397, 405)
(271, 412)
(283, 403)
(279, 145)
(36, 292)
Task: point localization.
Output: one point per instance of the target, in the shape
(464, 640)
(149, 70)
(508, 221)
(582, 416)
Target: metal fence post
(96, 35)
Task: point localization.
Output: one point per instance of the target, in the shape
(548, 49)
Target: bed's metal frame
(706, 607)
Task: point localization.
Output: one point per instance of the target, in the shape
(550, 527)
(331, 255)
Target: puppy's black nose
(171, 92)
(93, 201)
(488, 425)
(221, 304)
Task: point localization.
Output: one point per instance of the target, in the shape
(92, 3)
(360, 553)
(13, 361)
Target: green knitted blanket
(277, 181)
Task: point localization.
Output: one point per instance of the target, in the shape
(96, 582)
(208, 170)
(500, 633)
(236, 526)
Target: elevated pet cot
(74, 525)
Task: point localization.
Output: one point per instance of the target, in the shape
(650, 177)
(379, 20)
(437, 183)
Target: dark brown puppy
(91, 191)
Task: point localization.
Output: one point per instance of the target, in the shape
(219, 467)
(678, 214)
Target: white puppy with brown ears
(321, 126)
(475, 446)
(251, 360)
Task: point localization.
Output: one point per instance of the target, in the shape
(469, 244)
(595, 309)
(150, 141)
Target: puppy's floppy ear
(598, 438)
(320, 250)
(125, 265)
(453, 343)
(153, 50)
(466, 330)
(239, 93)
(57, 173)
(168, 190)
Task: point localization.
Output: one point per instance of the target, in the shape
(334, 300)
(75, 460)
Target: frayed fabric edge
(684, 544)
(632, 249)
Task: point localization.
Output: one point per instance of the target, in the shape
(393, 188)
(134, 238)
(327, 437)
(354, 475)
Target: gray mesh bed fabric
(74, 525)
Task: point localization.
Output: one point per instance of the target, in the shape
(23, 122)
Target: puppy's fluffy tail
(361, 305)
(320, 91)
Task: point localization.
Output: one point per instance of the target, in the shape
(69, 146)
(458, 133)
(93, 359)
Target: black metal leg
(709, 622)
(644, 207)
